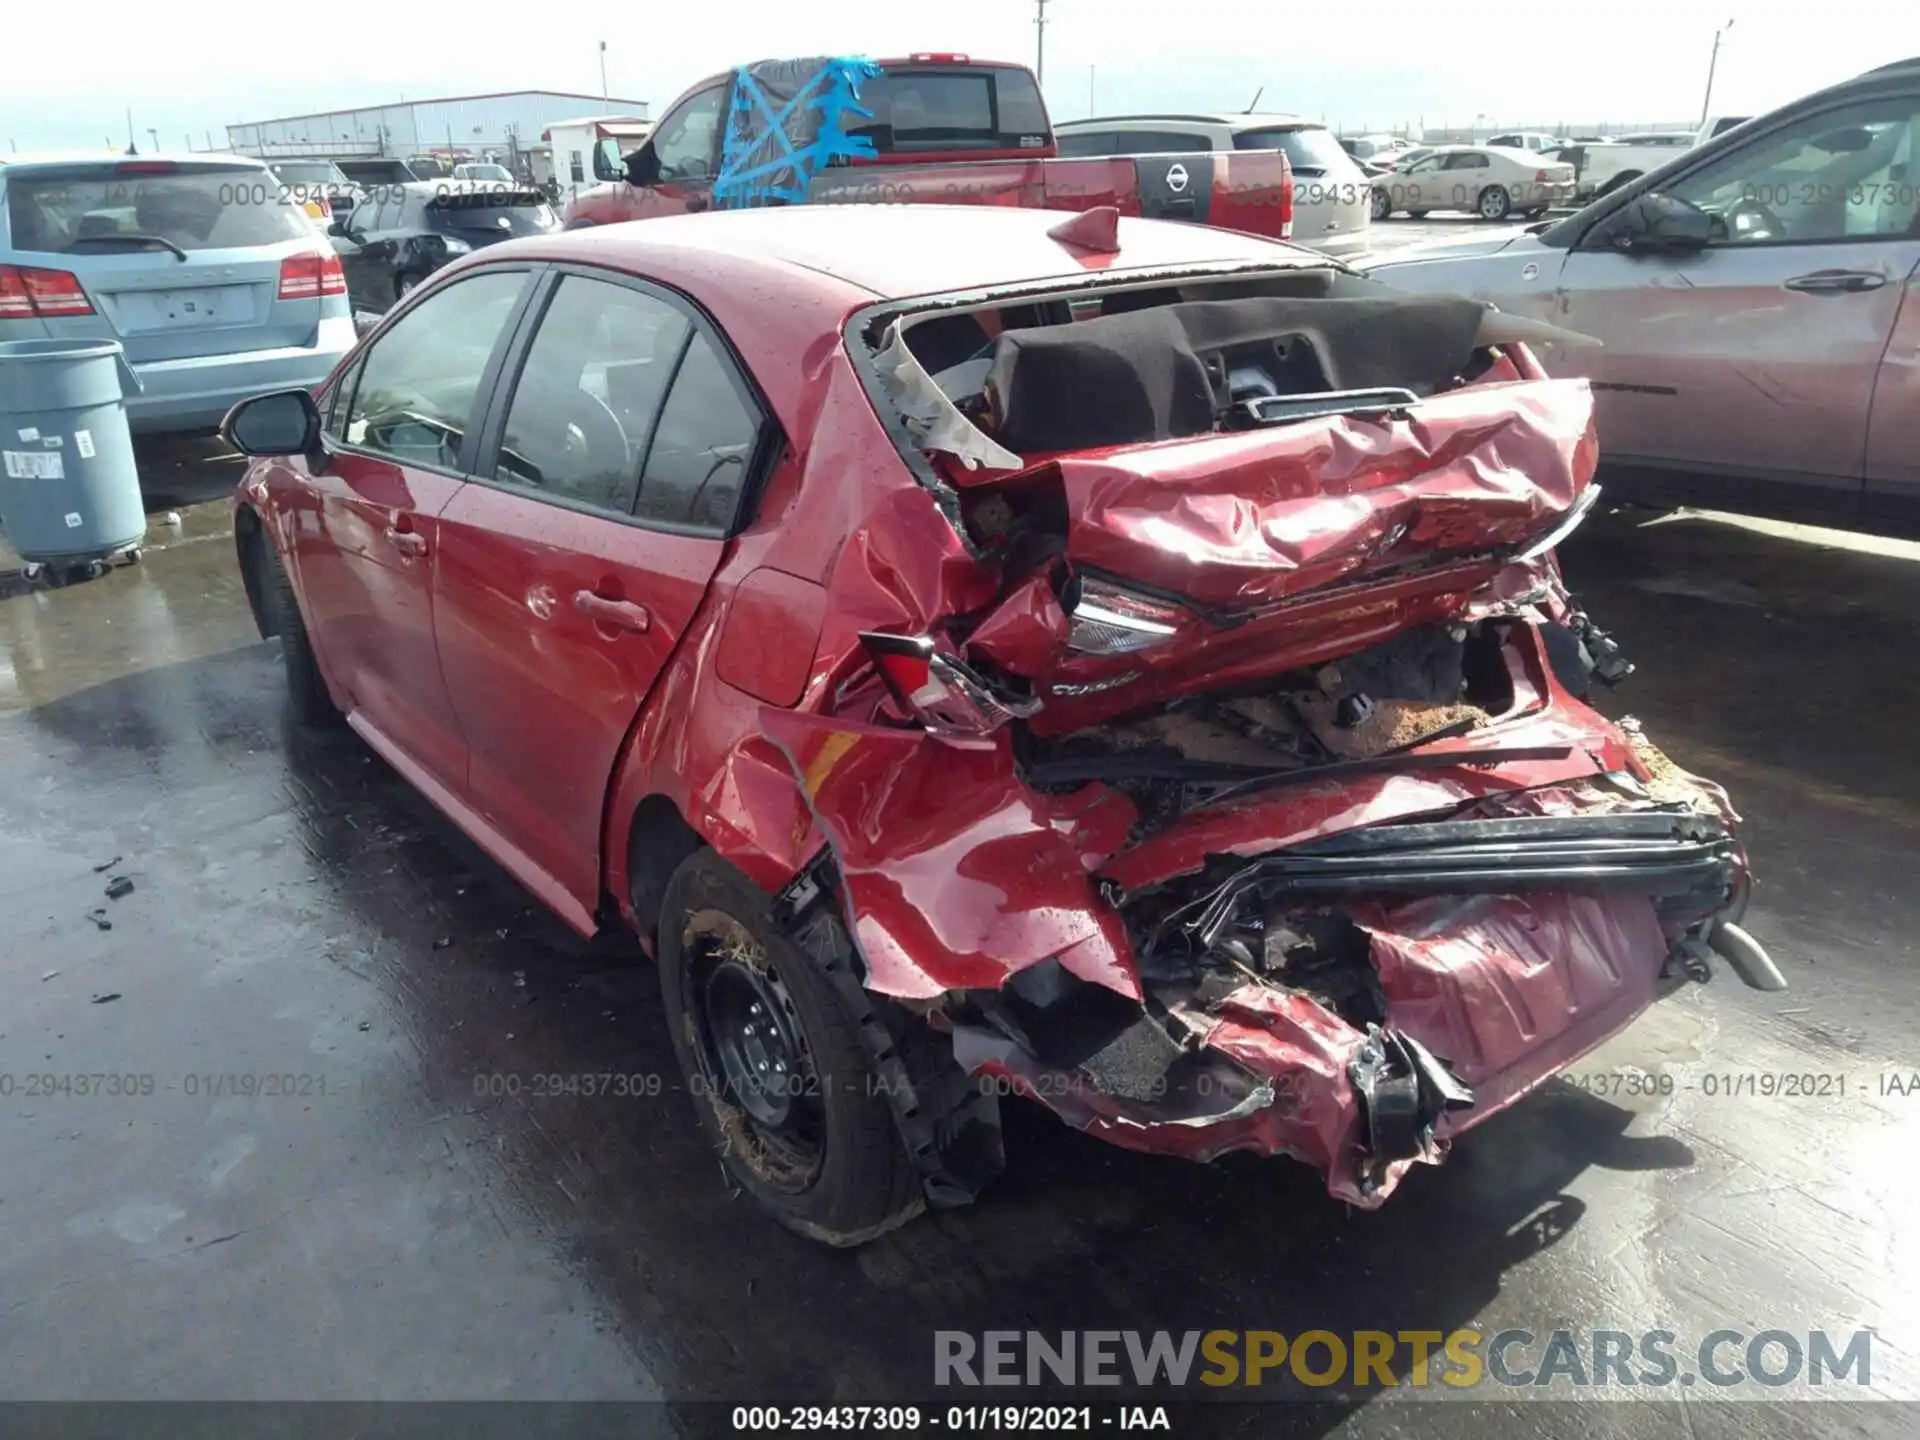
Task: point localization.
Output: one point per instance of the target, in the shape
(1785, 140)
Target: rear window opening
(98, 208)
(986, 107)
(1147, 363)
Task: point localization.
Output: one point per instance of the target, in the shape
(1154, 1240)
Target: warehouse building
(506, 127)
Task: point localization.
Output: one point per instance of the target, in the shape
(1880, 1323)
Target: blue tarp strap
(833, 92)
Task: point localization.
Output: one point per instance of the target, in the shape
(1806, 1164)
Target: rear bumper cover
(195, 393)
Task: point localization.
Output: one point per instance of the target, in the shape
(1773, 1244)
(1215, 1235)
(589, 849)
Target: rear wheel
(779, 1077)
(1494, 203)
(1380, 205)
(307, 693)
(1418, 214)
(405, 284)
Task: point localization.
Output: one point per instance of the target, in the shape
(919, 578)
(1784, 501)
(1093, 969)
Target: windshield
(208, 209)
(1308, 150)
(515, 213)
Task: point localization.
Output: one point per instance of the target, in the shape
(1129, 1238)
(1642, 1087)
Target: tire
(1380, 205)
(1418, 214)
(307, 695)
(741, 996)
(405, 284)
(1493, 203)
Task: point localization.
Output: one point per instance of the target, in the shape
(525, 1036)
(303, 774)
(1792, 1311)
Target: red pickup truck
(933, 129)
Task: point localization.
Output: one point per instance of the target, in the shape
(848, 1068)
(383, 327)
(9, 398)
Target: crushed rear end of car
(1209, 755)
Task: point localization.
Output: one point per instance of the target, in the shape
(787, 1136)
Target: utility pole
(603, 71)
(1040, 25)
(1713, 62)
(130, 145)
(153, 135)
(1092, 77)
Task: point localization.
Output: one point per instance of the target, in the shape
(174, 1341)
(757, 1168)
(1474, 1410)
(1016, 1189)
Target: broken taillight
(940, 691)
(1103, 619)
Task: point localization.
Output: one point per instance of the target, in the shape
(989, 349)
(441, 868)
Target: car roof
(1241, 121)
(897, 251)
(48, 159)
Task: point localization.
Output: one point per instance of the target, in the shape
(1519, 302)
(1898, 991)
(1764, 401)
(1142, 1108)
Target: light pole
(1713, 62)
(603, 71)
(1040, 28)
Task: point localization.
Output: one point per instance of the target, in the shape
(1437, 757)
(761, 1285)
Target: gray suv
(206, 271)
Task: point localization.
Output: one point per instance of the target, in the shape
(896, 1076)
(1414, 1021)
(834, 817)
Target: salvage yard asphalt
(328, 1168)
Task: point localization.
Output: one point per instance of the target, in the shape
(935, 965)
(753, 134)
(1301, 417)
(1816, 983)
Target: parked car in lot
(1330, 191)
(1605, 166)
(216, 285)
(317, 186)
(1384, 150)
(1115, 662)
(406, 232)
(372, 173)
(1538, 142)
(1756, 302)
(486, 170)
(1480, 179)
(941, 129)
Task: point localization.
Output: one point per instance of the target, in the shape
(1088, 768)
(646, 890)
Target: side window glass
(702, 446)
(587, 396)
(1847, 174)
(339, 397)
(688, 140)
(419, 381)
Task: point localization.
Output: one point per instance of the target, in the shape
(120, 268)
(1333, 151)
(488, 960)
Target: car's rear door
(614, 464)
(400, 424)
(1754, 361)
(179, 259)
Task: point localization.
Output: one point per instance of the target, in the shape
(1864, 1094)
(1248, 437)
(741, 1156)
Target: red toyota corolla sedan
(986, 652)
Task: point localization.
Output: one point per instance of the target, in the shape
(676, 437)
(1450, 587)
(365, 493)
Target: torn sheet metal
(1242, 521)
(956, 874)
(935, 421)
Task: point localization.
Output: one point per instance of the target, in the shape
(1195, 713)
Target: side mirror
(338, 226)
(285, 422)
(643, 167)
(1657, 224)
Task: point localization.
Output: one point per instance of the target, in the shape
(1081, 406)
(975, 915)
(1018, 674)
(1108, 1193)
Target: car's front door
(569, 570)
(366, 552)
(1754, 360)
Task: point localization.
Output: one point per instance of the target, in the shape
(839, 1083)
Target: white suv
(1331, 196)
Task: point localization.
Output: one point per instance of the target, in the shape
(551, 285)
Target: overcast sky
(203, 64)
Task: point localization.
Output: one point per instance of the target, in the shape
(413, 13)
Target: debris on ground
(107, 865)
(99, 917)
(119, 887)
(48, 976)
(443, 942)
(110, 996)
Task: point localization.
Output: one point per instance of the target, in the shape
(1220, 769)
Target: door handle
(621, 614)
(407, 542)
(1835, 282)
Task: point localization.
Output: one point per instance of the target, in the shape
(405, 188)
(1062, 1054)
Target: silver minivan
(210, 276)
(1331, 194)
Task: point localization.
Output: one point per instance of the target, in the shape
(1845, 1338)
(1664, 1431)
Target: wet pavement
(281, 1131)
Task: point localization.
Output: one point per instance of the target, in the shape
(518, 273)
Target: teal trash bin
(70, 493)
